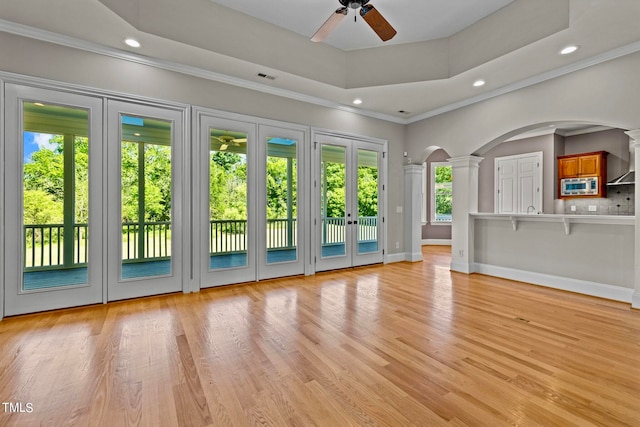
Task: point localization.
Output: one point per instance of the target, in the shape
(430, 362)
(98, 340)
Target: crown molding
(75, 43)
(72, 42)
(532, 134)
(539, 78)
(584, 131)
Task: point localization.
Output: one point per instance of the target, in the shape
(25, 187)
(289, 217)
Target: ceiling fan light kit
(368, 12)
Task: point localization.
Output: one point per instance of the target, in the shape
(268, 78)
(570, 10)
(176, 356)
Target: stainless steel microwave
(579, 186)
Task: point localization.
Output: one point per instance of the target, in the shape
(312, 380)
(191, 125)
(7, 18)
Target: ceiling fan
(226, 140)
(370, 14)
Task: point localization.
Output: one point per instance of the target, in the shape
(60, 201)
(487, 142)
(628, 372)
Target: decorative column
(412, 212)
(634, 136)
(465, 201)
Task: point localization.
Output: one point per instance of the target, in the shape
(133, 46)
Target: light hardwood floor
(396, 345)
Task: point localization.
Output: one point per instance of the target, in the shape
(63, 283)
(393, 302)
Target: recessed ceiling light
(357, 101)
(569, 49)
(136, 134)
(130, 41)
(479, 83)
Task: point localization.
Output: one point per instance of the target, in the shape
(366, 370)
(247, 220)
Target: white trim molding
(635, 301)
(399, 257)
(64, 40)
(436, 242)
(600, 290)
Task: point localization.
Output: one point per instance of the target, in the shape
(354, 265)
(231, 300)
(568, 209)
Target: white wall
(605, 94)
(598, 253)
(35, 58)
(486, 175)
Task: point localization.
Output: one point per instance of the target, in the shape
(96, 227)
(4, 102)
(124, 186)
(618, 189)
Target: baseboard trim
(601, 290)
(391, 258)
(436, 242)
(635, 300)
(415, 257)
(462, 267)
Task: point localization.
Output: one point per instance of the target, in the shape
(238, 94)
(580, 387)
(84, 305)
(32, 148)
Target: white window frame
(423, 210)
(432, 193)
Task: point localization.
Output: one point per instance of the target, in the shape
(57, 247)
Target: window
(441, 192)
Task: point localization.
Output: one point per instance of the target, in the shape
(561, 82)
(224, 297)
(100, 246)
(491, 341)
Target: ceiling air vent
(266, 76)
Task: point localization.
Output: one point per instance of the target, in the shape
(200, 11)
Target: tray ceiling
(414, 20)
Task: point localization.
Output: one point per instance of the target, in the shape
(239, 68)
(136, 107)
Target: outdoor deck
(146, 249)
(34, 280)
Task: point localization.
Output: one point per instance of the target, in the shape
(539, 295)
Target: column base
(462, 267)
(635, 300)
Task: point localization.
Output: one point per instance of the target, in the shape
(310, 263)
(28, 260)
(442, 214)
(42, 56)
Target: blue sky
(34, 142)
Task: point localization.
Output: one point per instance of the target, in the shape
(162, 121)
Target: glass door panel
(349, 224)
(226, 235)
(335, 222)
(51, 215)
(145, 196)
(280, 202)
(145, 200)
(368, 209)
(368, 198)
(333, 201)
(55, 214)
(227, 199)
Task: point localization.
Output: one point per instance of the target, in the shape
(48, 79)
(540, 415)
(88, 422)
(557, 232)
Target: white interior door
(349, 204)
(226, 197)
(53, 207)
(146, 198)
(518, 183)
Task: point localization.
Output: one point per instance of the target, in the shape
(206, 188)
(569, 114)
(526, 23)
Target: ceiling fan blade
(330, 24)
(376, 21)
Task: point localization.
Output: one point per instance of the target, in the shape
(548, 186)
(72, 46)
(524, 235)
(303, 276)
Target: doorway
(251, 207)
(349, 193)
(146, 195)
(53, 213)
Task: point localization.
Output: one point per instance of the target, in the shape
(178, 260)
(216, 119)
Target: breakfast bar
(589, 254)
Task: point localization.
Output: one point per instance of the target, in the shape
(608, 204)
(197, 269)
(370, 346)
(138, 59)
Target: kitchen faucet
(531, 206)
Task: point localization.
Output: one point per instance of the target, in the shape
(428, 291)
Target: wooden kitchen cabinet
(583, 165)
(568, 167)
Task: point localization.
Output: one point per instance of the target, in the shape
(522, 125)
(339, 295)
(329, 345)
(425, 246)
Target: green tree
(81, 152)
(367, 191)
(277, 187)
(129, 181)
(228, 186)
(443, 190)
(40, 207)
(335, 190)
(45, 170)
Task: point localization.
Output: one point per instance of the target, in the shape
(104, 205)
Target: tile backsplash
(620, 201)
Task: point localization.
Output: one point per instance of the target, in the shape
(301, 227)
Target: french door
(53, 207)
(226, 201)
(146, 197)
(348, 202)
(250, 207)
(281, 202)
